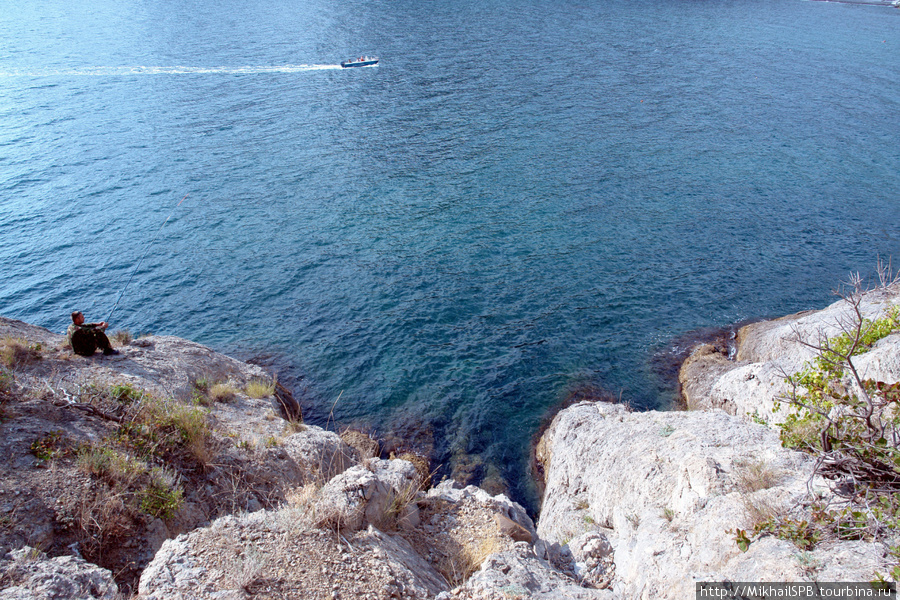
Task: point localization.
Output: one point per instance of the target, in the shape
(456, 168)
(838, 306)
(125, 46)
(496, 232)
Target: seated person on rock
(86, 338)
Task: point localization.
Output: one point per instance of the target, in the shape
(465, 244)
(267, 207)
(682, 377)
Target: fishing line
(142, 258)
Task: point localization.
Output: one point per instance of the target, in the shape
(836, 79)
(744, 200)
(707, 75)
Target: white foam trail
(176, 70)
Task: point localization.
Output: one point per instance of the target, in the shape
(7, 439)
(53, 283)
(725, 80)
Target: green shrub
(162, 496)
(50, 446)
(852, 426)
(202, 384)
(125, 393)
(6, 381)
(156, 427)
(802, 534)
(109, 464)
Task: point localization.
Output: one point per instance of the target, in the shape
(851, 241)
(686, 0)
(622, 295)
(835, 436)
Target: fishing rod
(142, 259)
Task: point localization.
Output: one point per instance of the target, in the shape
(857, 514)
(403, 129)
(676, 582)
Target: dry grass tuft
(222, 392)
(759, 511)
(458, 567)
(121, 337)
(292, 427)
(260, 388)
(362, 442)
(6, 393)
(114, 467)
(756, 475)
(102, 516)
(158, 426)
(422, 465)
(15, 352)
(398, 512)
(299, 510)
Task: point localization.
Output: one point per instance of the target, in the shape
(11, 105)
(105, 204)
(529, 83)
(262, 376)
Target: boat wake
(176, 70)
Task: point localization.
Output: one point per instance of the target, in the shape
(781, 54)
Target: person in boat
(86, 338)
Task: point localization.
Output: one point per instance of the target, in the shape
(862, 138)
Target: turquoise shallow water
(522, 201)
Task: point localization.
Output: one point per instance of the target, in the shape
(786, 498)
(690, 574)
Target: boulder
(378, 492)
(282, 552)
(521, 573)
(510, 517)
(31, 575)
(319, 453)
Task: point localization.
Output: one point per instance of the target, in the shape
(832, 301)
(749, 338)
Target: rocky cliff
(768, 350)
(171, 472)
(173, 468)
(674, 492)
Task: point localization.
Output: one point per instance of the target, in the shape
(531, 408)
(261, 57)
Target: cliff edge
(710, 493)
(170, 471)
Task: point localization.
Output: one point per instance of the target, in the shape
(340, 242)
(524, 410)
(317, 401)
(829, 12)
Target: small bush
(15, 352)
(802, 534)
(6, 381)
(156, 427)
(109, 464)
(260, 388)
(202, 384)
(125, 393)
(50, 446)
(162, 496)
(121, 337)
(851, 425)
(193, 428)
(103, 520)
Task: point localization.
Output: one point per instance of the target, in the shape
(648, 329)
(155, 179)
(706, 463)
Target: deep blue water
(524, 199)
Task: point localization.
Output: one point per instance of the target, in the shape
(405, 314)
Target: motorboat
(362, 61)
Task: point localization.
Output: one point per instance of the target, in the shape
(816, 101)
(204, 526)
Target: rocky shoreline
(635, 504)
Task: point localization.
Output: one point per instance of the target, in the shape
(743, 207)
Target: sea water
(524, 200)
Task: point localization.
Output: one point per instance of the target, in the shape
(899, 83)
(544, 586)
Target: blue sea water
(522, 200)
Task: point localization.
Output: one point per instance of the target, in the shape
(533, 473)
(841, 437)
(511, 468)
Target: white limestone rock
(669, 489)
(369, 494)
(521, 573)
(34, 576)
(319, 453)
(750, 386)
(451, 491)
(283, 552)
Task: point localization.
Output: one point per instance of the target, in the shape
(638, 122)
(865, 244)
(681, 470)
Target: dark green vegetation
(851, 424)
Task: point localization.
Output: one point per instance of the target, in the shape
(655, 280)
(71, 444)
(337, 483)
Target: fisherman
(86, 338)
